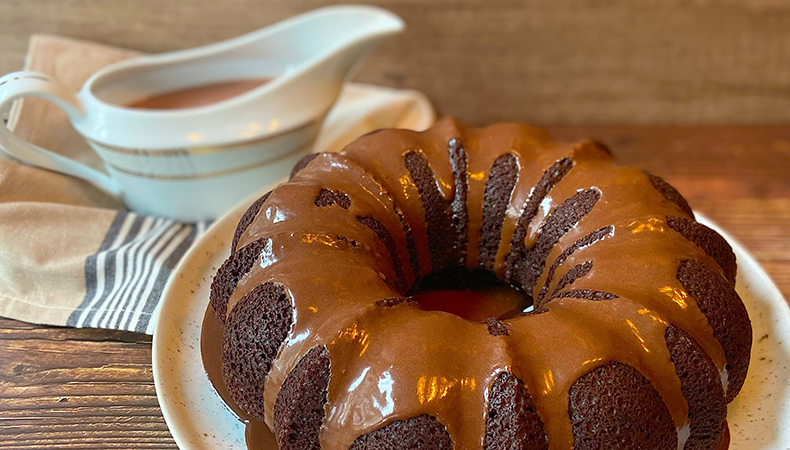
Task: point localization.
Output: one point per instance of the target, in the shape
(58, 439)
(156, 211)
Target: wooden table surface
(537, 61)
(69, 388)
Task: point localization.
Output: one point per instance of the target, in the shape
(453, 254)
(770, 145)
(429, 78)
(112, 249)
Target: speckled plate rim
(759, 417)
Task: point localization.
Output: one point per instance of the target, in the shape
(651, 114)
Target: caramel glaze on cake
(637, 339)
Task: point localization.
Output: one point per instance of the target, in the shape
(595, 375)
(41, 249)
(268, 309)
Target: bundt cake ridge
(637, 338)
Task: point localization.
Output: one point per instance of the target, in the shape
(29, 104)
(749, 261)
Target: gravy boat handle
(34, 84)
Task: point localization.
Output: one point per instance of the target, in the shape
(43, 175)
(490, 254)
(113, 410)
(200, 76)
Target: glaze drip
(518, 247)
(590, 239)
(499, 188)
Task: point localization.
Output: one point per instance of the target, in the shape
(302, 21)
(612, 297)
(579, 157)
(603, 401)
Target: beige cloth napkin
(70, 254)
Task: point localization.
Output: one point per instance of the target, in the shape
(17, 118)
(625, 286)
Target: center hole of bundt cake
(472, 294)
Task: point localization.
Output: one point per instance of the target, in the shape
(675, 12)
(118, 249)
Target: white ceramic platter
(759, 417)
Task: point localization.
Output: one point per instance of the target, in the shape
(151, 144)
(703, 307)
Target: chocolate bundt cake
(634, 337)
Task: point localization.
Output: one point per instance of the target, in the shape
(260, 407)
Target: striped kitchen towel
(72, 256)
(124, 279)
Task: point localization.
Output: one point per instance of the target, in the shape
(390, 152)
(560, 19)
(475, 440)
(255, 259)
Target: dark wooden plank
(67, 388)
(539, 61)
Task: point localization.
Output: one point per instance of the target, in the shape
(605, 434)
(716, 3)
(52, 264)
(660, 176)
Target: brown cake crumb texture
(701, 387)
(246, 220)
(671, 194)
(418, 433)
(328, 197)
(574, 274)
(390, 302)
(616, 407)
(587, 240)
(386, 237)
(437, 215)
(726, 314)
(496, 327)
(411, 247)
(589, 294)
(229, 274)
(499, 187)
(512, 421)
(255, 329)
(562, 219)
(518, 251)
(299, 409)
(459, 216)
(710, 241)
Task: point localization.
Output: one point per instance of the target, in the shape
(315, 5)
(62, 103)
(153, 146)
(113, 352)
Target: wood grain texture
(69, 388)
(65, 388)
(536, 61)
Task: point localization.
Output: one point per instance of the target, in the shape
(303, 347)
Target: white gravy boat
(194, 163)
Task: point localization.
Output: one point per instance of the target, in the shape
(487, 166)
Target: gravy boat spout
(332, 41)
